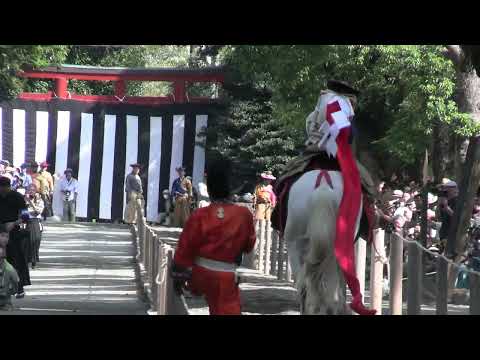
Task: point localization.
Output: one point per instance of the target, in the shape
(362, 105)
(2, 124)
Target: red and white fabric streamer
(337, 127)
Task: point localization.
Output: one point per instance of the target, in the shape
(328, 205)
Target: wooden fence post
(474, 281)
(161, 281)
(415, 277)
(442, 286)
(280, 257)
(274, 256)
(174, 304)
(256, 250)
(376, 270)
(396, 274)
(143, 241)
(148, 269)
(268, 247)
(360, 263)
(155, 269)
(261, 255)
(377, 256)
(288, 268)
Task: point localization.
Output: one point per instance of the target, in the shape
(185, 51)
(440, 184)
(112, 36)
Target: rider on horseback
(329, 132)
(316, 154)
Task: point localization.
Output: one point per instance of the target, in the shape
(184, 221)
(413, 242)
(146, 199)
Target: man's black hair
(5, 182)
(218, 179)
(3, 228)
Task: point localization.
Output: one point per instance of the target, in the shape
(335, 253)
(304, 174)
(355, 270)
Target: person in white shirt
(69, 189)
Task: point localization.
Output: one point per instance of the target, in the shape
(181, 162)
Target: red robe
(216, 235)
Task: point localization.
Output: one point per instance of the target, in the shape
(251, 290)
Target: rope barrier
(437, 255)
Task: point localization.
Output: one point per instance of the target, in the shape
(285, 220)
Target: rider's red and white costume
(212, 239)
(329, 128)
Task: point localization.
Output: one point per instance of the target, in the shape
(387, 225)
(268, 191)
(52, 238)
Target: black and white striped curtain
(100, 141)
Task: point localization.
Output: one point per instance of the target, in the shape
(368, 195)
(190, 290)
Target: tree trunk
(468, 100)
(440, 150)
(460, 154)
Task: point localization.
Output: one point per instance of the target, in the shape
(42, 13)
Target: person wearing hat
(133, 192)
(265, 199)
(47, 175)
(330, 132)
(48, 197)
(69, 189)
(182, 195)
(24, 169)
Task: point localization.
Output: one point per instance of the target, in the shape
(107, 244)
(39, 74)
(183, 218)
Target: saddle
(308, 161)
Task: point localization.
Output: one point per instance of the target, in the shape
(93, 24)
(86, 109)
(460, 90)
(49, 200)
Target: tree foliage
(14, 58)
(121, 56)
(405, 89)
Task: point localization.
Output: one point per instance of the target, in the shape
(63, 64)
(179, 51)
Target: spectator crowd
(400, 210)
(26, 199)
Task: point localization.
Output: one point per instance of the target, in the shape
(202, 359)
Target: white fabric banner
(63, 128)
(106, 182)
(41, 136)
(57, 202)
(199, 152)
(85, 159)
(131, 156)
(177, 147)
(154, 162)
(18, 137)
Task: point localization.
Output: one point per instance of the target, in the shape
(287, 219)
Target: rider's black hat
(342, 87)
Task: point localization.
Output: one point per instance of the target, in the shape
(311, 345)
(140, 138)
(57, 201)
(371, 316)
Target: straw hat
(268, 175)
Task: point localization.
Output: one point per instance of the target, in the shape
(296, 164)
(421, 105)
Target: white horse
(310, 235)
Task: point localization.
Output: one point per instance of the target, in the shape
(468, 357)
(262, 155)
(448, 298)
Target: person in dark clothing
(13, 212)
(447, 206)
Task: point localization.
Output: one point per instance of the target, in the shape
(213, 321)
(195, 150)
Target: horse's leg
(296, 239)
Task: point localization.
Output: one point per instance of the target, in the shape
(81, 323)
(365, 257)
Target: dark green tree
(250, 136)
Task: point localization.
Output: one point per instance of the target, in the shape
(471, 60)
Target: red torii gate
(181, 78)
(54, 125)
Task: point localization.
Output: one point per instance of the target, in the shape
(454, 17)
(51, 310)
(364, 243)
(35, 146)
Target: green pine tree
(247, 133)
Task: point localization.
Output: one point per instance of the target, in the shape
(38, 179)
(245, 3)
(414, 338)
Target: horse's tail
(321, 278)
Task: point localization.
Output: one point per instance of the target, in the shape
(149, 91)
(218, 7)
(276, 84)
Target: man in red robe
(211, 246)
